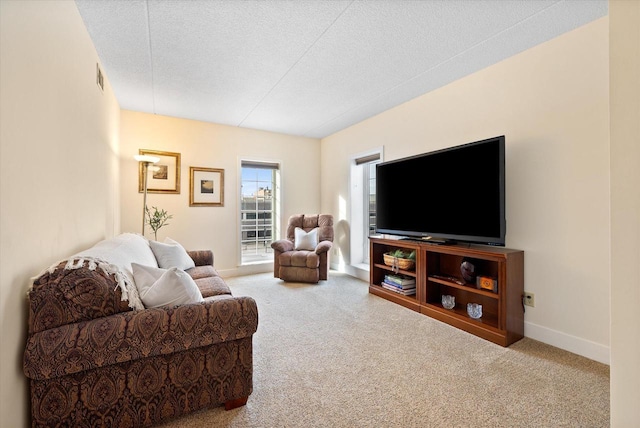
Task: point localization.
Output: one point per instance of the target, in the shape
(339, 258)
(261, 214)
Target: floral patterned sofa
(96, 358)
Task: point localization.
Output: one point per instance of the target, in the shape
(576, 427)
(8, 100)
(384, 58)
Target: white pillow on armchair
(305, 240)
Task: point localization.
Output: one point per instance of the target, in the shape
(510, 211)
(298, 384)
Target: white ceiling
(308, 68)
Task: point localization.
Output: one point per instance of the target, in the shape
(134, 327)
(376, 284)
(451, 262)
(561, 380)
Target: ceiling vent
(99, 77)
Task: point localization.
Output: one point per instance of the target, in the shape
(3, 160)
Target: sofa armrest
(202, 257)
(323, 247)
(282, 245)
(133, 335)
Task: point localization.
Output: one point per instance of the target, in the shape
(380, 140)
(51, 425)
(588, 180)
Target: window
(363, 204)
(370, 201)
(258, 210)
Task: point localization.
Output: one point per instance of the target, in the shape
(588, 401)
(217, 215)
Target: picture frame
(163, 176)
(206, 187)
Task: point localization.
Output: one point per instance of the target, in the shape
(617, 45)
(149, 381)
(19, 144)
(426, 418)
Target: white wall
(211, 145)
(552, 103)
(59, 165)
(625, 212)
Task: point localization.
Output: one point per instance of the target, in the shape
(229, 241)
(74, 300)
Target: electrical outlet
(529, 299)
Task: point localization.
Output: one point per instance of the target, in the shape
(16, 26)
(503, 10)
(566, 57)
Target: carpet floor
(333, 355)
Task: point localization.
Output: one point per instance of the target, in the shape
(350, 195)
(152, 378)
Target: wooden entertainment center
(437, 272)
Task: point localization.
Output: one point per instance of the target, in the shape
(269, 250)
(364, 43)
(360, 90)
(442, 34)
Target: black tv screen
(454, 194)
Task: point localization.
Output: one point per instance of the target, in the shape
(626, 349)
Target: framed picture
(163, 176)
(206, 187)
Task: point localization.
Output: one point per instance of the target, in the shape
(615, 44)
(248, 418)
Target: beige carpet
(332, 355)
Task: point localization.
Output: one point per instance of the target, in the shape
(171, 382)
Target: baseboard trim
(358, 271)
(247, 270)
(586, 348)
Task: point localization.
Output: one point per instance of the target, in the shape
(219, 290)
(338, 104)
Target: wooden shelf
(399, 271)
(468, 288)
(402, 300)
(487, 319)
(437, 270)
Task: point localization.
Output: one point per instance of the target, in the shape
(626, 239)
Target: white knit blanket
(114, 256)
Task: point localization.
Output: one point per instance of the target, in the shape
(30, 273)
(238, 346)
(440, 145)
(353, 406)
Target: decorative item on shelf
(157, 220)
(399, 259)
(145, 161)
(474, 310)
(448, 302)
(468, 271)
(487, 283)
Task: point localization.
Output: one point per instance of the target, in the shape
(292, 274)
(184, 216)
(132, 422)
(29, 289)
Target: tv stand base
(437, 273)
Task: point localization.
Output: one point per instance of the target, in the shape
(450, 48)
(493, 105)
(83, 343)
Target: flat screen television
(451, 195)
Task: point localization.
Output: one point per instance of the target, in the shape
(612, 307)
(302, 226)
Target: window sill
(361, 266)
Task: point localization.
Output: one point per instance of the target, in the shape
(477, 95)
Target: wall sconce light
(146, 160)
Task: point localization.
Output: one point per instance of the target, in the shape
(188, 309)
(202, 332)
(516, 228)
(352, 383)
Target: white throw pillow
(306, 240)
(171, 255)
(168, 240)
(165, 287)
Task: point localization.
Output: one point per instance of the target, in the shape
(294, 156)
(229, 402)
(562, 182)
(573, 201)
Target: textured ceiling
(308, 68)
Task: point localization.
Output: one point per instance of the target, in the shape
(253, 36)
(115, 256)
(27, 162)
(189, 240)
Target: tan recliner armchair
(305, 264)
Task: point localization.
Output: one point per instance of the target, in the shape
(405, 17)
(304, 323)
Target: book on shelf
(402, 286)
(398, 287)
(400, 280)
(406, 292)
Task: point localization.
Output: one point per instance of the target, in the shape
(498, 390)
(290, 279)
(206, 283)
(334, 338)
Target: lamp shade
(146, 158)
